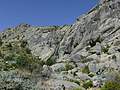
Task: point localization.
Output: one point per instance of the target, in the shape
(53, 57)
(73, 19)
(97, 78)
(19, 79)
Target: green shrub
(18, 57)
(86, 70)
(114, 83)
(50, 61)
(68, 67)
(88, 84)
(111, 85)
(21, 61)
(91, 74)
(75, 81)
(9, 57)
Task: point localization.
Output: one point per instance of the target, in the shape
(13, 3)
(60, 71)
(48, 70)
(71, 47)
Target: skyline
(42, 12)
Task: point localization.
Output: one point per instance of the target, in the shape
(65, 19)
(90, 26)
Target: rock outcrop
(69, 55)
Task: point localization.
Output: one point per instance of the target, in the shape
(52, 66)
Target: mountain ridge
(83, 55)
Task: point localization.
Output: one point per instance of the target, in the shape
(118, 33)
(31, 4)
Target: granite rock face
(71, 54)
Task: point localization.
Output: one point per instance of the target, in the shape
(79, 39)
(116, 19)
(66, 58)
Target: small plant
(114, 83)
(21, 61)
(114, 57)
(88, 84)
(50, 61)
(86, 70)
(111, 85)
(68, 67)
(91, 74)
(75, 81)
(9, 57)
(105, 49)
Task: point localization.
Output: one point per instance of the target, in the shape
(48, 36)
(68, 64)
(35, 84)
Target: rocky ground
(81, 56)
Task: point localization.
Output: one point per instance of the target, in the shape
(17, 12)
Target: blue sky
(42, 12)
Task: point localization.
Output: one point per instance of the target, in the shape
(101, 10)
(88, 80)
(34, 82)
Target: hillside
(80, 56)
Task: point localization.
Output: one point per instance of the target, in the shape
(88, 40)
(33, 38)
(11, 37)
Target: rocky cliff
(83, 55)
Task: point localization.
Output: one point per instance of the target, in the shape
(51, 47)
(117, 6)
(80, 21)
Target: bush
(21, 61)
(88, 84)
(68, 67)
(111, 85)
(9, 57)
(91, 74)
(75, 81)
(86, 70)
(50, 61)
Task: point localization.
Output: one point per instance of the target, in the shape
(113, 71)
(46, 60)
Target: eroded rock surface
(70, 54)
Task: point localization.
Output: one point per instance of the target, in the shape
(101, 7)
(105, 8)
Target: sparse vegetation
(17, 57)
(88, 84)
(75, 81)
(77, 88)
(111, 85)
(50, 61)
(91, 74)
(105, 49)
(114, 57)
(85, 69)
(68, 67)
